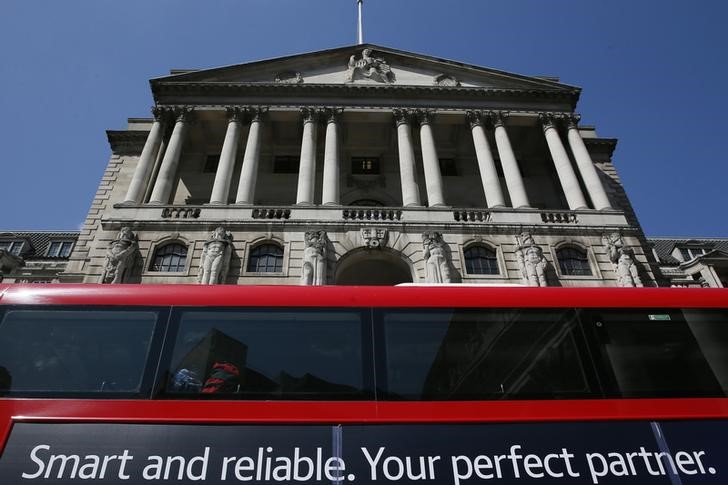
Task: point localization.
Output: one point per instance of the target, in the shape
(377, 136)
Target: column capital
(235, 114)
(474, 118)
(548, 120)
(256, 113)
(333, 115)
(425, 116)
(498, 118)
(184, 114)
(309, 115)
(402, 116)
(572, 120)
(160, 113)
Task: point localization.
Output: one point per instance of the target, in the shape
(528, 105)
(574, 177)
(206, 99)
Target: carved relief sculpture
(438, 262)
(313, 272)
(120, 257)
(215, 262)
(622, 259)
(374, 238)
(289, 77)
(531, 260)
(374, 68)
(446, 80)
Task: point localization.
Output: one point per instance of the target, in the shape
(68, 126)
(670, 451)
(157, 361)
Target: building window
(448, 167)
(286, 164)
(365, 166)
(13, 247)
(266, 258)
(211, 163)
(480, 260)
(691, 253)
(170, 258)
(573, 262)
(60, 249)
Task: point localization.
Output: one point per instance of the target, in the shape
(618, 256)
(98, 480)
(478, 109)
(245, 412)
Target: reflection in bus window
(294, 354)
(483, 354)
(75, 351)
(666, 352)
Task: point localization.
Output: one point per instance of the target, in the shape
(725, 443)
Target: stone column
(567, 177)
(228, 154)
(486, 164)
(511, 172)
(407, 173)
(143, 171)
(330, 194)
(307, 164)
(251, 159)
(586, 167)
(168, 169)
(430, 160)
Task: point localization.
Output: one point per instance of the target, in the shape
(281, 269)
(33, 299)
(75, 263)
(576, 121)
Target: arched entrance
(367, 267)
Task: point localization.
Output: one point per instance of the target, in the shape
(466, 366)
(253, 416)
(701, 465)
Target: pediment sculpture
(531, 260)
(215, 261)
(374, 68)
(121, 257)
(446, 80)
(289, 77)
(623, 261)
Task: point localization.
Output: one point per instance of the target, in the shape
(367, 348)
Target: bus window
(263, 354)
(664, 352)
(484, 354)
(74, 351)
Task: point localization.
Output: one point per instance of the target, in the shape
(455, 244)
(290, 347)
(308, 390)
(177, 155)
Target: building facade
(362, 165)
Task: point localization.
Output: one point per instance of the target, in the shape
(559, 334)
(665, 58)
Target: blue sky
(653, 76)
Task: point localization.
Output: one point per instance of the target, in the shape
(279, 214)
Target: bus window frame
(149, 369)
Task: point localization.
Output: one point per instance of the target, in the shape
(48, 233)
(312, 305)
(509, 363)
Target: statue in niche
(215, 262)
(313, 272)
(374, 68)
(622, 259)
(438, 261)
(120, 257)
(531, 260)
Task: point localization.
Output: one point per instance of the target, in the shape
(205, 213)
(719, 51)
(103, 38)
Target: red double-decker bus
(454, 385)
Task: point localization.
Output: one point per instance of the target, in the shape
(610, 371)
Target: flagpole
(360, 33)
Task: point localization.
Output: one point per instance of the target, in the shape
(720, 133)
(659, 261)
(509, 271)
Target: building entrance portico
(367, 267)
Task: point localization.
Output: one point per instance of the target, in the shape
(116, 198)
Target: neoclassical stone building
(361, 165)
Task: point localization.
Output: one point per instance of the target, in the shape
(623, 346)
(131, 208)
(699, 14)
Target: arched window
(170, 258)
(573, 261)
(266, 258)
(480, 260)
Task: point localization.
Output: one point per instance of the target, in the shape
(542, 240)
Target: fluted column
(168, 169)
(228, 154)
(511, 172)
(143, 171)
(407, 173)
(586, 167)
(430, 160)
(486, 164)
(251, 159)
(330, 193)
(307, 165)
(567, 177)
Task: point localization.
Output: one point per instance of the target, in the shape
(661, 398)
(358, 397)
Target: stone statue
(120, 257)
(623, 261)
(215, 260)
(438, 262)
(374, 68)
(531, 260)
(313, 272)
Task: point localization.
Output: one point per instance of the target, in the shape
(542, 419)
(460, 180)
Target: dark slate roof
(38, 241)
(664, 246)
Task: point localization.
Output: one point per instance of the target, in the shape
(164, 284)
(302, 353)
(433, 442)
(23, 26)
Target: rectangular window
(365, 166)
(286, 164)
(67, 352)
(13, 247)
(483, 354)
(60, 249)
(270, 354)
(691, 253)
(448, 167)
(211, 163)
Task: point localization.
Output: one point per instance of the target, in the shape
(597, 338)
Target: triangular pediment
(366, 64)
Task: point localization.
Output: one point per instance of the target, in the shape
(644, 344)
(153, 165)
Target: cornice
(609, 143)
(127, 142)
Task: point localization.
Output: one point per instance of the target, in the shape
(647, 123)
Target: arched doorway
(367, 267)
